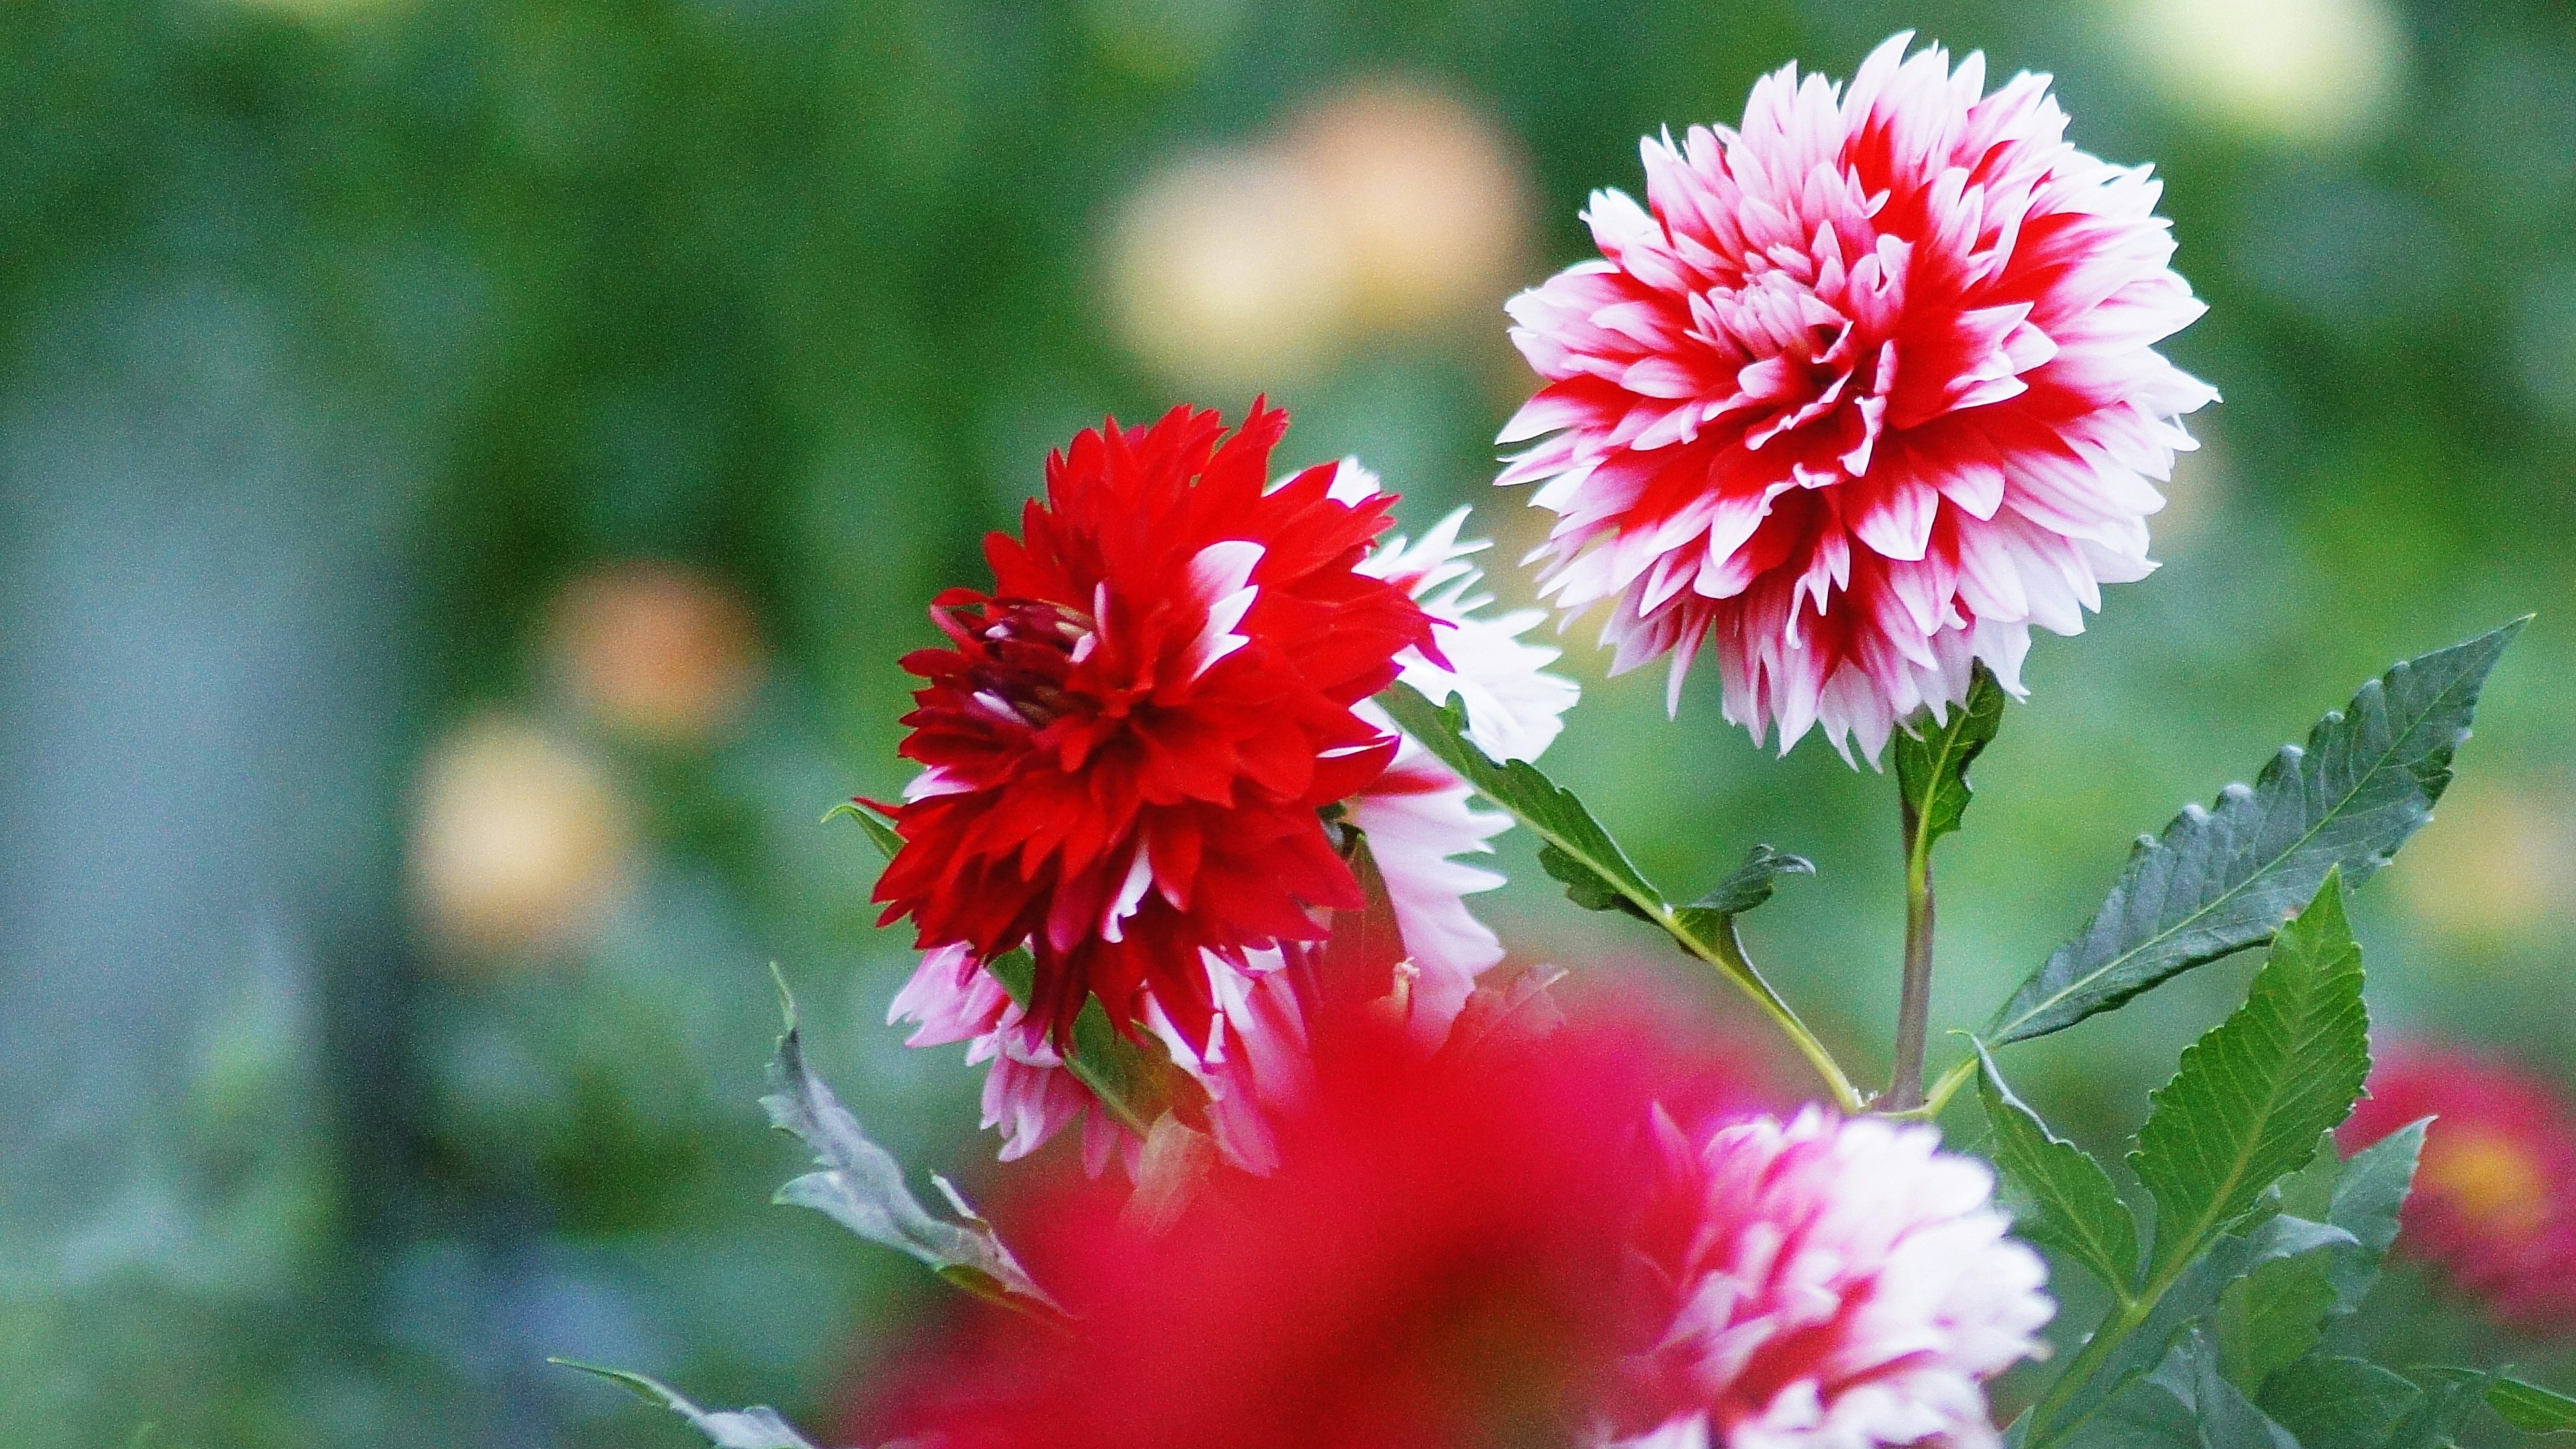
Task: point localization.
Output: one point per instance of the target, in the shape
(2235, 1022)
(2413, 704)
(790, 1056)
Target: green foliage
(2332, 1402)
(2222, 879)
(2273, 1315)
(2529, 1407)
(2079, 1215)
(1932, 760)
(2440, 1410)
(862, 1187)
(1598, 876)
(2138, 1337)
(879, 833)
(759, 1427)
(2253, 1095)
(2369, 1193)
(1573, 847)
(2261, 1234)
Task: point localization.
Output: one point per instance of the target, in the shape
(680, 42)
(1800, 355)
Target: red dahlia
(1127, 746)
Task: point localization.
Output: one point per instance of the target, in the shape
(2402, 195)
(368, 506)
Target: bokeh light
(521, 842)
(2298, 70)
(656, 650)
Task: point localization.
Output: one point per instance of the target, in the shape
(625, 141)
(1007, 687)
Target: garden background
(468, 471)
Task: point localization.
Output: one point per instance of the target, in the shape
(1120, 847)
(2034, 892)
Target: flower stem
(1914, 1003)
(1723, 948)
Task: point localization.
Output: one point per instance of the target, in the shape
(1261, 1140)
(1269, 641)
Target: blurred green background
(468, 469)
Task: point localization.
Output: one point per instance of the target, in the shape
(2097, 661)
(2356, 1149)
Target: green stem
(1937, 1100)
(2125, 1318)
(1723, 948)
(1914, 1003)
(2117, 1325)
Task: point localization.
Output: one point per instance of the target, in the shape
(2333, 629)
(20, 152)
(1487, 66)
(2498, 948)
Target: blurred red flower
(2491, 1206)
(1435, 1263)
(1129, 739)
(1514, 1248)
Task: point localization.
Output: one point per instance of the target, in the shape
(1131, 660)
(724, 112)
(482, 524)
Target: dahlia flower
(1271, 1005)
(1129, 740)
(1829, 1283)
(2491, 1191)
(1864, 391)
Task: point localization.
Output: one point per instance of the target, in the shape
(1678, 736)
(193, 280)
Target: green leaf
(1751, 883)
(2257, 1092)
(2145, 1415)
(2079, 1215)
(2281, 1310)
(1932, 759)
(862, 1188)
(2271, 1316)
(2220, 880)
(753, 1428)
(2367, 1199)
(2529, 1407)
(880, 832)
(2194, 1295)
(2228, 1420)
(1597, 874)
(2332, 1402)
(2440, 1411)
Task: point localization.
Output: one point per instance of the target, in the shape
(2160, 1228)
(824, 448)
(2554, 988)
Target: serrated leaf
(2255, 1094)
(2220, 880)
(1751, 883)
(2079, 1214)
(759, 1427)
(2332, 1402)
(1932, 759)
(2529, 1407)
(1575, 849)
(862, 1187)
(2368, 1198)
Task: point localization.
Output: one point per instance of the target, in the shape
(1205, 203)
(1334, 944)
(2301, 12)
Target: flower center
(1814, 372)
(2488, 1178)
(1028, 650)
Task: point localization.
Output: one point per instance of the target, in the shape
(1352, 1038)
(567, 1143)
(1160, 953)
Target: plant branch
(1914, 1003)
(1723, 948)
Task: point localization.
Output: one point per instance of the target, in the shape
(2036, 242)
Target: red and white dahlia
(1866, 390)
(1830, 1282)
(1247, 1034)
(1417, 819)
